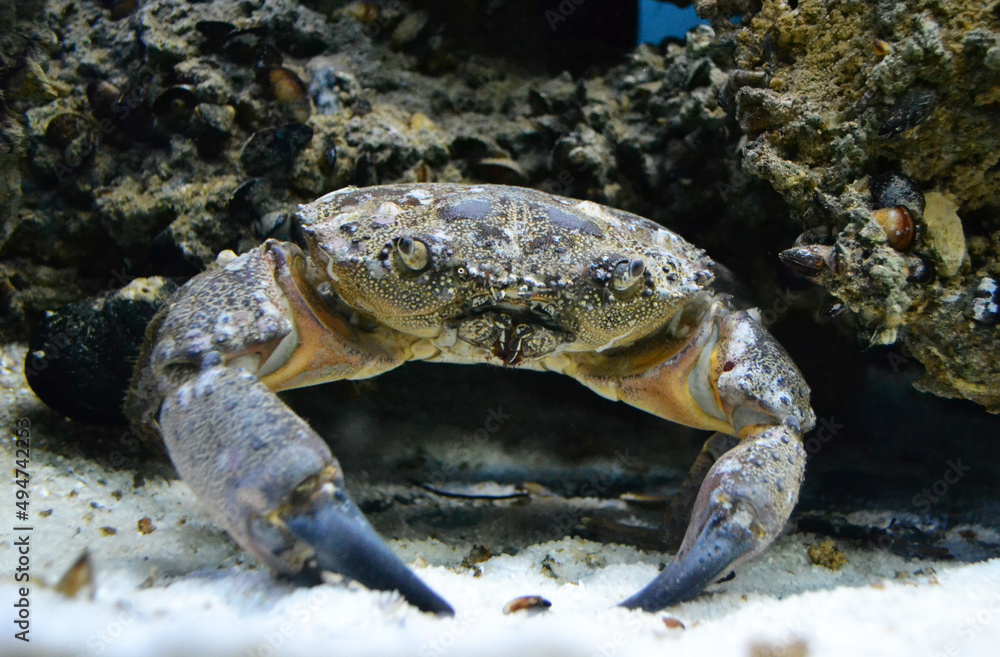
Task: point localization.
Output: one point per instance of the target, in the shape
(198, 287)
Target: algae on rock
(833, 95)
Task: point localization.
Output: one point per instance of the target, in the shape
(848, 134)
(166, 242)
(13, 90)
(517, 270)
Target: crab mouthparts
(511, 332)
(519, 313)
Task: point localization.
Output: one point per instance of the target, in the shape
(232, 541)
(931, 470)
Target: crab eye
(627, 275)
(413, 253)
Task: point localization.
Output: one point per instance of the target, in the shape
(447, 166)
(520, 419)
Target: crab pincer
(740, 509)
(268, 479)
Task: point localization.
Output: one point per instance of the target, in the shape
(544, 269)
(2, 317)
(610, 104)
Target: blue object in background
(658, 20)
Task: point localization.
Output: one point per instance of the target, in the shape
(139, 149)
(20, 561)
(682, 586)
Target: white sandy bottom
(241, 610)
(236, 614)
(186, 589)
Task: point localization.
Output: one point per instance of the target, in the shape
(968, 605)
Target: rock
(944, 233)
(80, 356)
(894, 108)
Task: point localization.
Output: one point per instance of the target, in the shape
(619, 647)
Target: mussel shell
(63, 128)
(273, 225)
(251, 46)
(216, 33)
(922, 270)
(527, 603)
(169, 255)
(81, 149)
(120, 9)
(247, 201)
(815, 235)
(128, 109)
(273, 151)
(365, 174)
(538, 102)
(284, 85)
(104, 98)
(891, 189)
(499, 170)
(330, 155)
(812, 261)
(211, 127)
(832, 307)
(470, 147)
(175, 104)
(289, 91)
(915, 106)
(700, 74)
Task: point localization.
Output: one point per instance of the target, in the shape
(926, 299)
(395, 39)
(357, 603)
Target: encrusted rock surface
(141, 139)
(141, 157)
(833, 96)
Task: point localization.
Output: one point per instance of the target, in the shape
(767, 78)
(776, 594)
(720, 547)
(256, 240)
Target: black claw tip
(716, 548)
(345, 543)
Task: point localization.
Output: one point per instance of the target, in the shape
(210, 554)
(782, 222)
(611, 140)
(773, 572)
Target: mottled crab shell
(421, 257)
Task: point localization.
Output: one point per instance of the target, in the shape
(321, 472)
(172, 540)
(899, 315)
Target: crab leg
(732, 376)
(260, 470)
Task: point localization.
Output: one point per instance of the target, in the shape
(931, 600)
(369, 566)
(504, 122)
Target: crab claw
(272, 482)
(345, 543)
(743, 503)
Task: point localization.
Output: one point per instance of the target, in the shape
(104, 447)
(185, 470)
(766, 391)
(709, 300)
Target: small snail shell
(898, 226)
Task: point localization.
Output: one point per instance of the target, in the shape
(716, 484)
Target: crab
(514, 277)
